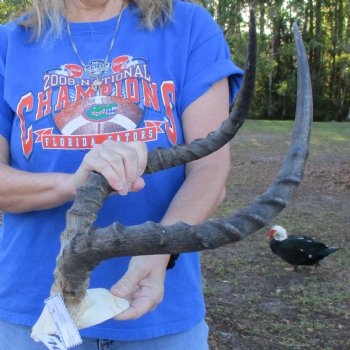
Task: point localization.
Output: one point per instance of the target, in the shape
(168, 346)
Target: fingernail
(118, 185)
(118, 291)
(123, 192)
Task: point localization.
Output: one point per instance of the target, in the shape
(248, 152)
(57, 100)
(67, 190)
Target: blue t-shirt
(51, 117)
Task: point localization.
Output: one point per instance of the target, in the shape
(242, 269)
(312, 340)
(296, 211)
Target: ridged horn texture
(84, 247)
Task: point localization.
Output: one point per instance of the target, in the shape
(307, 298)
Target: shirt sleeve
(209, 61)
(6, 113)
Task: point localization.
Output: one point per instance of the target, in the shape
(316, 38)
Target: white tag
(52, 342)
(66, 328)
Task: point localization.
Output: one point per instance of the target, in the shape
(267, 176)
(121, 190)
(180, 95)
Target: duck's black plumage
(301, 250)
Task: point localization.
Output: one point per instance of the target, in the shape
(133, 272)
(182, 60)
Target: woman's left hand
(142, 285)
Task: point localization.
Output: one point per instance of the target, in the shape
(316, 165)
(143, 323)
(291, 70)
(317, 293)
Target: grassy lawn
(253, 299)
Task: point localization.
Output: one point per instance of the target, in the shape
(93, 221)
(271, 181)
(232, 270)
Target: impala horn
(80, 238)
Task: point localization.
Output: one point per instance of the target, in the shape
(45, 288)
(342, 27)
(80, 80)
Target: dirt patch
(254, 300)
(334, 174)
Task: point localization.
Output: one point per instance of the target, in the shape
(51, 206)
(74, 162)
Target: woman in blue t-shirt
(93, 85)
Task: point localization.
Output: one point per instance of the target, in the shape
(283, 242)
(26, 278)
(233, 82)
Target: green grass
(338, 134)
(329, 130)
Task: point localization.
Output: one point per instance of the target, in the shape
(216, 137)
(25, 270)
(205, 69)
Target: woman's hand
(121, 164)
(142, 285)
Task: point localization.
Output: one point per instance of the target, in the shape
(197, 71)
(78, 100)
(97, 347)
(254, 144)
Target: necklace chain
(97, 82)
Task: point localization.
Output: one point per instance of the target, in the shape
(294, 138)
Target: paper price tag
(67, 330)
(52, 342)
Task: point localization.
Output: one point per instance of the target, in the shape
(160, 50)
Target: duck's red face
(271, 233)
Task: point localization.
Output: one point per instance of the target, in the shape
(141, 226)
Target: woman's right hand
(122, 164)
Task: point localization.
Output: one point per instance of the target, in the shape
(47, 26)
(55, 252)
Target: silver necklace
(95, 68)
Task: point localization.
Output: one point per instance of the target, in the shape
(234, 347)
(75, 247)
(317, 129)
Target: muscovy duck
(297, 250)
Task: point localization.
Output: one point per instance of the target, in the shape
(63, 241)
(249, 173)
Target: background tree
(9, 8)
(326, 30)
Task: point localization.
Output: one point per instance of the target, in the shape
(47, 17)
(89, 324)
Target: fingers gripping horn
(83, 246)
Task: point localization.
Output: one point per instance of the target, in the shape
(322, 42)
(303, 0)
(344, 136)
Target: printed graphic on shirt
(85, 106)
